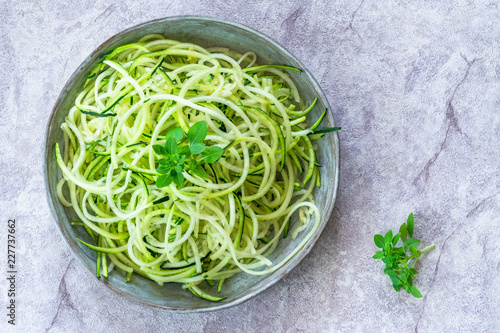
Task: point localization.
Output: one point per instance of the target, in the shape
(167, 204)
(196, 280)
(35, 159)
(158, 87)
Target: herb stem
(430, 247)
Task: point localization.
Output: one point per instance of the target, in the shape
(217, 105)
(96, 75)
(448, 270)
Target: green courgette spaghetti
(144, 185)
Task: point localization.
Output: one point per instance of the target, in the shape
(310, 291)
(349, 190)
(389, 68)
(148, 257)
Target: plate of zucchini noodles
(191, 163)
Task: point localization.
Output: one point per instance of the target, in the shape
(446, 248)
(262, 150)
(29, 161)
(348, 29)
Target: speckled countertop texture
(415, 86)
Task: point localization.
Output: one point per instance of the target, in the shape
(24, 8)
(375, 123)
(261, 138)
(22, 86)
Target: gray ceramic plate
(207, 32)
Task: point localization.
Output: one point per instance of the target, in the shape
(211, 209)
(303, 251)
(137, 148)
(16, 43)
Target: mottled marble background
(415, 86)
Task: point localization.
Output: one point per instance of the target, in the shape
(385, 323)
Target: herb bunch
(400, 261)
(176, 157)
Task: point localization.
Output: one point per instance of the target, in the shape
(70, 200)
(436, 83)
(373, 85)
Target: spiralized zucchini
(212, 227)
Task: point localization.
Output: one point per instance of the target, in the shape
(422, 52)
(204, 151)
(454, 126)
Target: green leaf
(197, 132)
(411, 242)
(389, 272)
(410, 224)
(184, 151)
(414, 251)
(395, 239)
(404, 278)
(163, 181)
(379, 241)
(212, 154)
(178, 179)
(159, 149)
(387, 261)
(395, 281)
(403, 231)
(175, 133)
(171, 146)
(197, 148)
(178, 169)
(192, 164)
(163, 169)
(388, 237)
(415, 292)
(163, 161)
(378, 255)
(200, 172)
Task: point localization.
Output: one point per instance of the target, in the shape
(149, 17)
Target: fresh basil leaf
(415, 292)
(403, 231)
(163, 161)
(159, 149)
(163, 181)
(390, 272)
(178, 169)
(184, 151)
(197, 148)
(198, 132)
(192, 164)
(404, 278)
(395, 280)
(411, 242)
(378, 255)
(178, 179)
(410, 224)
(163, 169)
(212, 154)
(175, 133)
(379, 241)
(388, 237)
(395, 239)
(171, 146)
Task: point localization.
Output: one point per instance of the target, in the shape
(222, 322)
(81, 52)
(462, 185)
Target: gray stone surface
(415, 86)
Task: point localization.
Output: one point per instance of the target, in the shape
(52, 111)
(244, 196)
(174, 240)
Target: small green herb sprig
(400, 261)
(190, 157)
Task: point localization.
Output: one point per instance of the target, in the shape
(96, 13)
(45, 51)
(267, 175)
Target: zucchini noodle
(212, 227)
